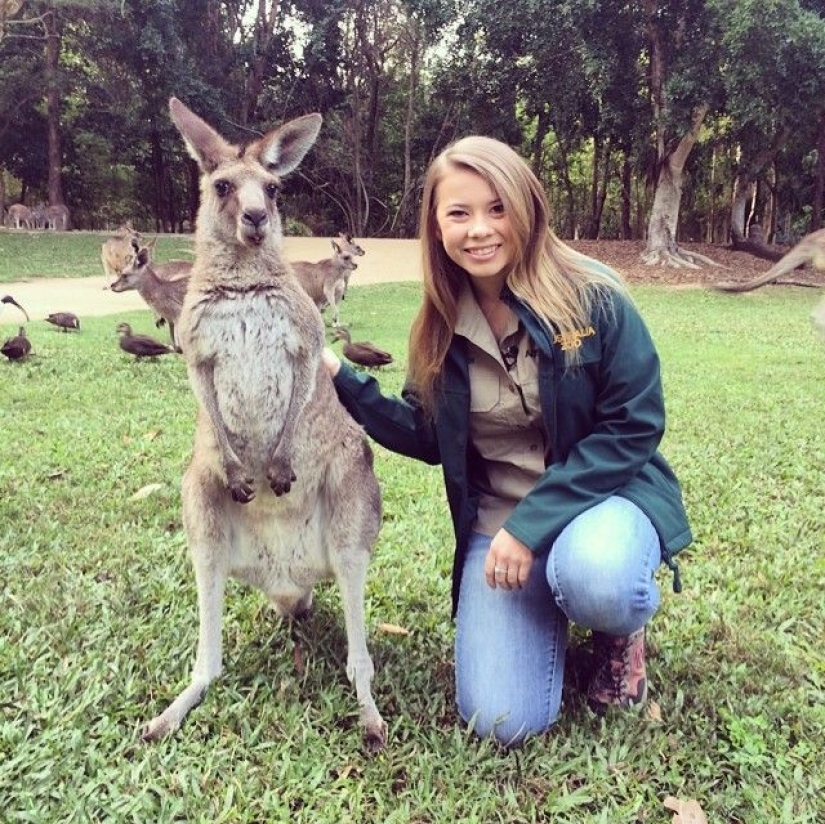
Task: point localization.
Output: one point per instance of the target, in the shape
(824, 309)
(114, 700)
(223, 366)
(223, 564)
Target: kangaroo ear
(204, 144)
(284, 148)
(336, 247)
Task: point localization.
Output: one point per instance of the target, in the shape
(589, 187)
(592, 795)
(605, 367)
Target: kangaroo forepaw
(242, 489)
(280, 477)
(242, 492)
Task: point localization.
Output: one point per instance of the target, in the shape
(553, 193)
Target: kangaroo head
(134, 267)
(344, 257)
(239, 184)
(350, 244)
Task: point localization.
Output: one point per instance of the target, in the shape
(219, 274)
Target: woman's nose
(480, 227)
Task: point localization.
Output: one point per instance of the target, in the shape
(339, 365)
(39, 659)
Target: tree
(682, 66)
(775, 82)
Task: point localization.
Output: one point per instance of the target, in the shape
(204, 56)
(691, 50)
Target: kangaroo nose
(255, 218)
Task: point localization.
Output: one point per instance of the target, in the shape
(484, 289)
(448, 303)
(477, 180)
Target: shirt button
(533, 447)
(512, 388)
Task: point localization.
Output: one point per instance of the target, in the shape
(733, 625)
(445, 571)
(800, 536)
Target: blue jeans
(510, 645)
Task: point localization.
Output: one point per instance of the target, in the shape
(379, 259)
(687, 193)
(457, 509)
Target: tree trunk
(710, 226)
(571, 223)
(159, 205)
(662, 247)
(819, 186)
(262, 37)
(542, 127)
(55, 152)
(592, 229)
(598, 206)
(748, 176)
(627, 186)
(404, 221)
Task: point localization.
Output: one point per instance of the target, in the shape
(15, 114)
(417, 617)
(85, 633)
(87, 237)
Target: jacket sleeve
(628, 423)
(399, 424)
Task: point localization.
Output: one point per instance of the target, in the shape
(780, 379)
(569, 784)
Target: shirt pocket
(485, 388)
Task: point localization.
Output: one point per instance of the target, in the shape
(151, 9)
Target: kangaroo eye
(222, 188)
(272, 190)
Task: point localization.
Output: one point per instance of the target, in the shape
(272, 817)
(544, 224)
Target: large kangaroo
(280, 491)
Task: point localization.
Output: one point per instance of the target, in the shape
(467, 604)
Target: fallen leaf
(145, 491)
(393, 629)
(150, 436)
(686, 811)
(298, 660)
(654, 711)
(58, 473)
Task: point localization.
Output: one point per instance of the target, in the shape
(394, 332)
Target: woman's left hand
(508, 562)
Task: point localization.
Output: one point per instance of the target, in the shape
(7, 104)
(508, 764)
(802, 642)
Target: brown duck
(64, 321)
(361, 352)
(141, 346)
(18, 347)
(13, 302)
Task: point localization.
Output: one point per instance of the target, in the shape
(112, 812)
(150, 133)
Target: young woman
(534, 382)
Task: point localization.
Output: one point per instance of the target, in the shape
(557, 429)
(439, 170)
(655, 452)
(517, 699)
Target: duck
(64, 321)
(18, 347)
(141, 346)
(13, 302)
(362, 353)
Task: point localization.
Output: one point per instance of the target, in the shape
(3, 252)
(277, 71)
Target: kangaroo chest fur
(253, 346)
(261, 348)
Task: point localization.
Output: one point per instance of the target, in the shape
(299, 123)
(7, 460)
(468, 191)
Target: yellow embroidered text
(573, 340)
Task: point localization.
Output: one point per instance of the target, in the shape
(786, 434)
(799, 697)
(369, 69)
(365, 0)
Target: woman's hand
(330, 361)
(508, 562)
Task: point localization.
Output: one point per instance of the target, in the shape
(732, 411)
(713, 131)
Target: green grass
(98, 618)
(70, 254)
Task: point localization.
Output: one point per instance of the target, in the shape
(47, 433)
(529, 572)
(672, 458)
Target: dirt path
(385, 261)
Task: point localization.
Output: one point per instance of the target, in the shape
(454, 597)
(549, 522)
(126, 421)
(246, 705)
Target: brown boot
(619, 676)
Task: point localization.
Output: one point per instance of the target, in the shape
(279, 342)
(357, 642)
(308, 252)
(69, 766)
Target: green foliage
(567, 82)
(98, 622)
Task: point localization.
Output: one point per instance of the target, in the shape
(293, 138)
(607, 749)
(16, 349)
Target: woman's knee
(601, 568)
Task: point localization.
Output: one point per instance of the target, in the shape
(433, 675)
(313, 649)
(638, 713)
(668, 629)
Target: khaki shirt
(506, 426)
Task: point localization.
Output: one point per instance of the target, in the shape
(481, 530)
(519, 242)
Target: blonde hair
(558, 283)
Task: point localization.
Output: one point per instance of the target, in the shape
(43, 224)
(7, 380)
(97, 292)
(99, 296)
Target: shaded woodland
(697, 121)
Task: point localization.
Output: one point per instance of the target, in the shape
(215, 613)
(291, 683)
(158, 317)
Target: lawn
(99, 622)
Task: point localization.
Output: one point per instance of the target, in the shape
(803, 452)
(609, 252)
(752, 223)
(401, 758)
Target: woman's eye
(272, 190)
(498, 209)
(222, 188)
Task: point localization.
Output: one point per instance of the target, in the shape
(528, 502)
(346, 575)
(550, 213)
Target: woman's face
(475, 229)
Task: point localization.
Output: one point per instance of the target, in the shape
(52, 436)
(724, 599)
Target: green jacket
(605, 419)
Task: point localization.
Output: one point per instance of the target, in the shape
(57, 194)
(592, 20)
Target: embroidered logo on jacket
(573, 340)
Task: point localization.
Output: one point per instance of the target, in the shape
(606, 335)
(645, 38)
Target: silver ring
(500, 571)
